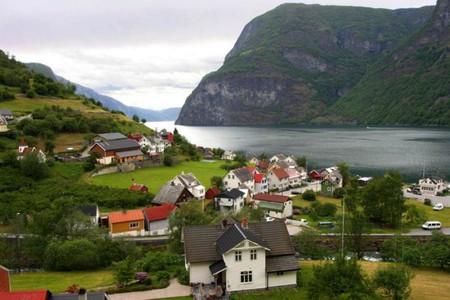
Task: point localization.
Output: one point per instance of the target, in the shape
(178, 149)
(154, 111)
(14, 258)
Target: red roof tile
(126, 216)
(251, 169)
(271, 198)
(162, 212)
(258, 177)
(280, 173)
(26, 295)
(138, 187)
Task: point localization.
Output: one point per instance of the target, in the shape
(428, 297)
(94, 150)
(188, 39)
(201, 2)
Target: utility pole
(343, 223)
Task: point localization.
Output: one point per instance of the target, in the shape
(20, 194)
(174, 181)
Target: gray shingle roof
(243, 174)
(281, 263)
(112, 136)
(169, 193)
(232, 194)
(129, 153)
(119, 145)
(217, 267)
(187, 179)
(236, 235)
(200, 241)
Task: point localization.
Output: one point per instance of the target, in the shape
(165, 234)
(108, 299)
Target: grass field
(156, 177)
(442, 216)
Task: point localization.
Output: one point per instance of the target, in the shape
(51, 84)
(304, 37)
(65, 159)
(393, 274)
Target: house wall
(199, 272)
(231, 181)
(276, 183)
(234, 268)
(125, 227)
(159, 227)
(429, 188)
(287, 279)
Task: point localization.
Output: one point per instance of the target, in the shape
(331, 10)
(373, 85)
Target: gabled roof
(281, 263)
(217, 267)
(251, 169)
(236, 235)
(137, 187)
(170, 194)
(282, 164)
(263, 164)
(187, 179)
(258, 177)
(156, 213)
(280, 156)
(26, 295)
(126, 216)
(293, 173)
(243, 174)
(6, 112)
(90, 210)
(119, 144)
(131, 153)
(271, 198)
(232, 194)
(112, 136)
(280, 173)
(199, 241)
(212, 192)
(3, 120)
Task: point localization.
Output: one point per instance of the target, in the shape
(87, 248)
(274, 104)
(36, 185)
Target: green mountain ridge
(291, 64)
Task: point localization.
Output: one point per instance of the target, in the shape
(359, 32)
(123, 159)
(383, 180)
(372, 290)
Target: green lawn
(442, 216)
(57, 282)
(155, 177)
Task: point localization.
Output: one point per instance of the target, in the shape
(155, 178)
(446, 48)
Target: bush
(162, 275)
(183, 276)
(324, 209)
(427, 201)
(309, 195)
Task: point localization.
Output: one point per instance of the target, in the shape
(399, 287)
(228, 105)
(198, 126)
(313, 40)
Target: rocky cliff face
(291, 63)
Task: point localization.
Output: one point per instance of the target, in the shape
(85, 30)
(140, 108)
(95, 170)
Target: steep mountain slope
(169, 114)
(291, 63)
(409, 86)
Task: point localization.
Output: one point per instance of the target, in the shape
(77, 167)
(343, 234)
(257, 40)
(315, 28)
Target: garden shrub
(427, 201)
(309, 195)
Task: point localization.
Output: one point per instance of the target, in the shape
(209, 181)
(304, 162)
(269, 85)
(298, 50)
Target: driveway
(173, 290)
(434, 199)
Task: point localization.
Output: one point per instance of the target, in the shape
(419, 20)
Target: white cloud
(144, 53)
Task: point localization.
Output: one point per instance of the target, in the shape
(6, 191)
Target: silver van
(430, 225)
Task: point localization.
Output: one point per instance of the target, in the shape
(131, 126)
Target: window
(232, 176)
(252, 254)
(134, 225)
(238, 255)
(246, 276)
(280, 273)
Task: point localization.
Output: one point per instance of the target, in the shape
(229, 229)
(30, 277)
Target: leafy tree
(402, 249)
(124, 270)
(167, 160)
(393, 281)
(49, 146)
(263, 156)
(356, 228)
(324, 209)
(33, 168)
(135, 118)
(217, 181)
(190, 213)
(345, 172)
(383, 200)
(437, 249)
(144, 121)
(414, 215)
(309, 195)
(240, 160)
(340, 278)
(301, 162)
(306, 244)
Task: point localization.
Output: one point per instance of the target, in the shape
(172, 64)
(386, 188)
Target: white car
(269, 218)
(438, 206)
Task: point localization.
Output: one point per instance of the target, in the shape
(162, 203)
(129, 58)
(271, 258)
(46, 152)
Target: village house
(212, 192)
(278, 179)
(91, 211)
(263, 166)
(261, 183)
(230, 201)
(280, 164)
(139, 188)
(191, 183)
(294, 177)
(172, 194)
(277, 206)
(3, 124)
(120, 151)
(106, 137)
(8, 114)
(126, 222)
(157, 218)
(253, 161)
(278, 157)
(237, 257)
(237, 177)
(228, 155)
(24, 150)
(167, 135)
(432, 185)
(329, 185)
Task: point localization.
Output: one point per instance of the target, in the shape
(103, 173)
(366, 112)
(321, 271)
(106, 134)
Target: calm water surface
(366, 151)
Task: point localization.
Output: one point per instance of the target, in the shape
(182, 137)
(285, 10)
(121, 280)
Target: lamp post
(17, 228)
(343, 223)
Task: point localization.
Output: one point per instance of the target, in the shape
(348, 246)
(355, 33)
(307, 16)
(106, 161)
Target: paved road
(173, 290)
(434, 199)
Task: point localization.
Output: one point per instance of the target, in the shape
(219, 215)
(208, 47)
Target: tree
(393, 281)
(144, 121)
(340, 278)
(124, 270)
(167, 160)
(414, 215)
(49, 146)
(301, 162)
(345, 172)
(306, 244)
(357, 228)
(135, 118)
(263, 156)
(437, 249)
(402, 249)
(33, 168)
(217, 181)
(383, 200)
(190, 213)
(309, 195)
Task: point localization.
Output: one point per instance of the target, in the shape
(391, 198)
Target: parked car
(417, 192)
(430, 225)
(438, 206)
(304, 222)
(325, 224)
(295, 192)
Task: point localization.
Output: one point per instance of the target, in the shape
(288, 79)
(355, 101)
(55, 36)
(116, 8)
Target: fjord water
(366, 150)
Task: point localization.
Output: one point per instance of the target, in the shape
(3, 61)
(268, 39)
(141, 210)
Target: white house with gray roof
(237, 257)
(230, 201)
(238, 177)
(191, 183)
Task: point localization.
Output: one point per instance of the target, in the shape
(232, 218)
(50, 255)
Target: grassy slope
(154, 178)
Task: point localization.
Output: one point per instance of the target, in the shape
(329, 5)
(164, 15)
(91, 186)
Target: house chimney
(244, 223)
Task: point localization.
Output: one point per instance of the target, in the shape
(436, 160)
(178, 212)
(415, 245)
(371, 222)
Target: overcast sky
(150, 54)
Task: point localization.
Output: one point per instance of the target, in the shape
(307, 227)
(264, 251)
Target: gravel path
(173, 290)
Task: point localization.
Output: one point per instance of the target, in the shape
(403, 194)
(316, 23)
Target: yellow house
(125, 222)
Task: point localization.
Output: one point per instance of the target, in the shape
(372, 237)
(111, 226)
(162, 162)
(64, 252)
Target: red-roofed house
(263, 166)
(278, 179)
(24, 150)
(157, 218)
(212, 192)
(139, 187)
(135, 136)
(317, 175)
(127, 222)
(261, 185)
(277, 206)
(26, 295)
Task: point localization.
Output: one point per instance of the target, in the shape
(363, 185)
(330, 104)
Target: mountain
(409, 86)
(169, 114)
(291, 64)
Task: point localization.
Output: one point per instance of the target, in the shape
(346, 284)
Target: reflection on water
(365, 150)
